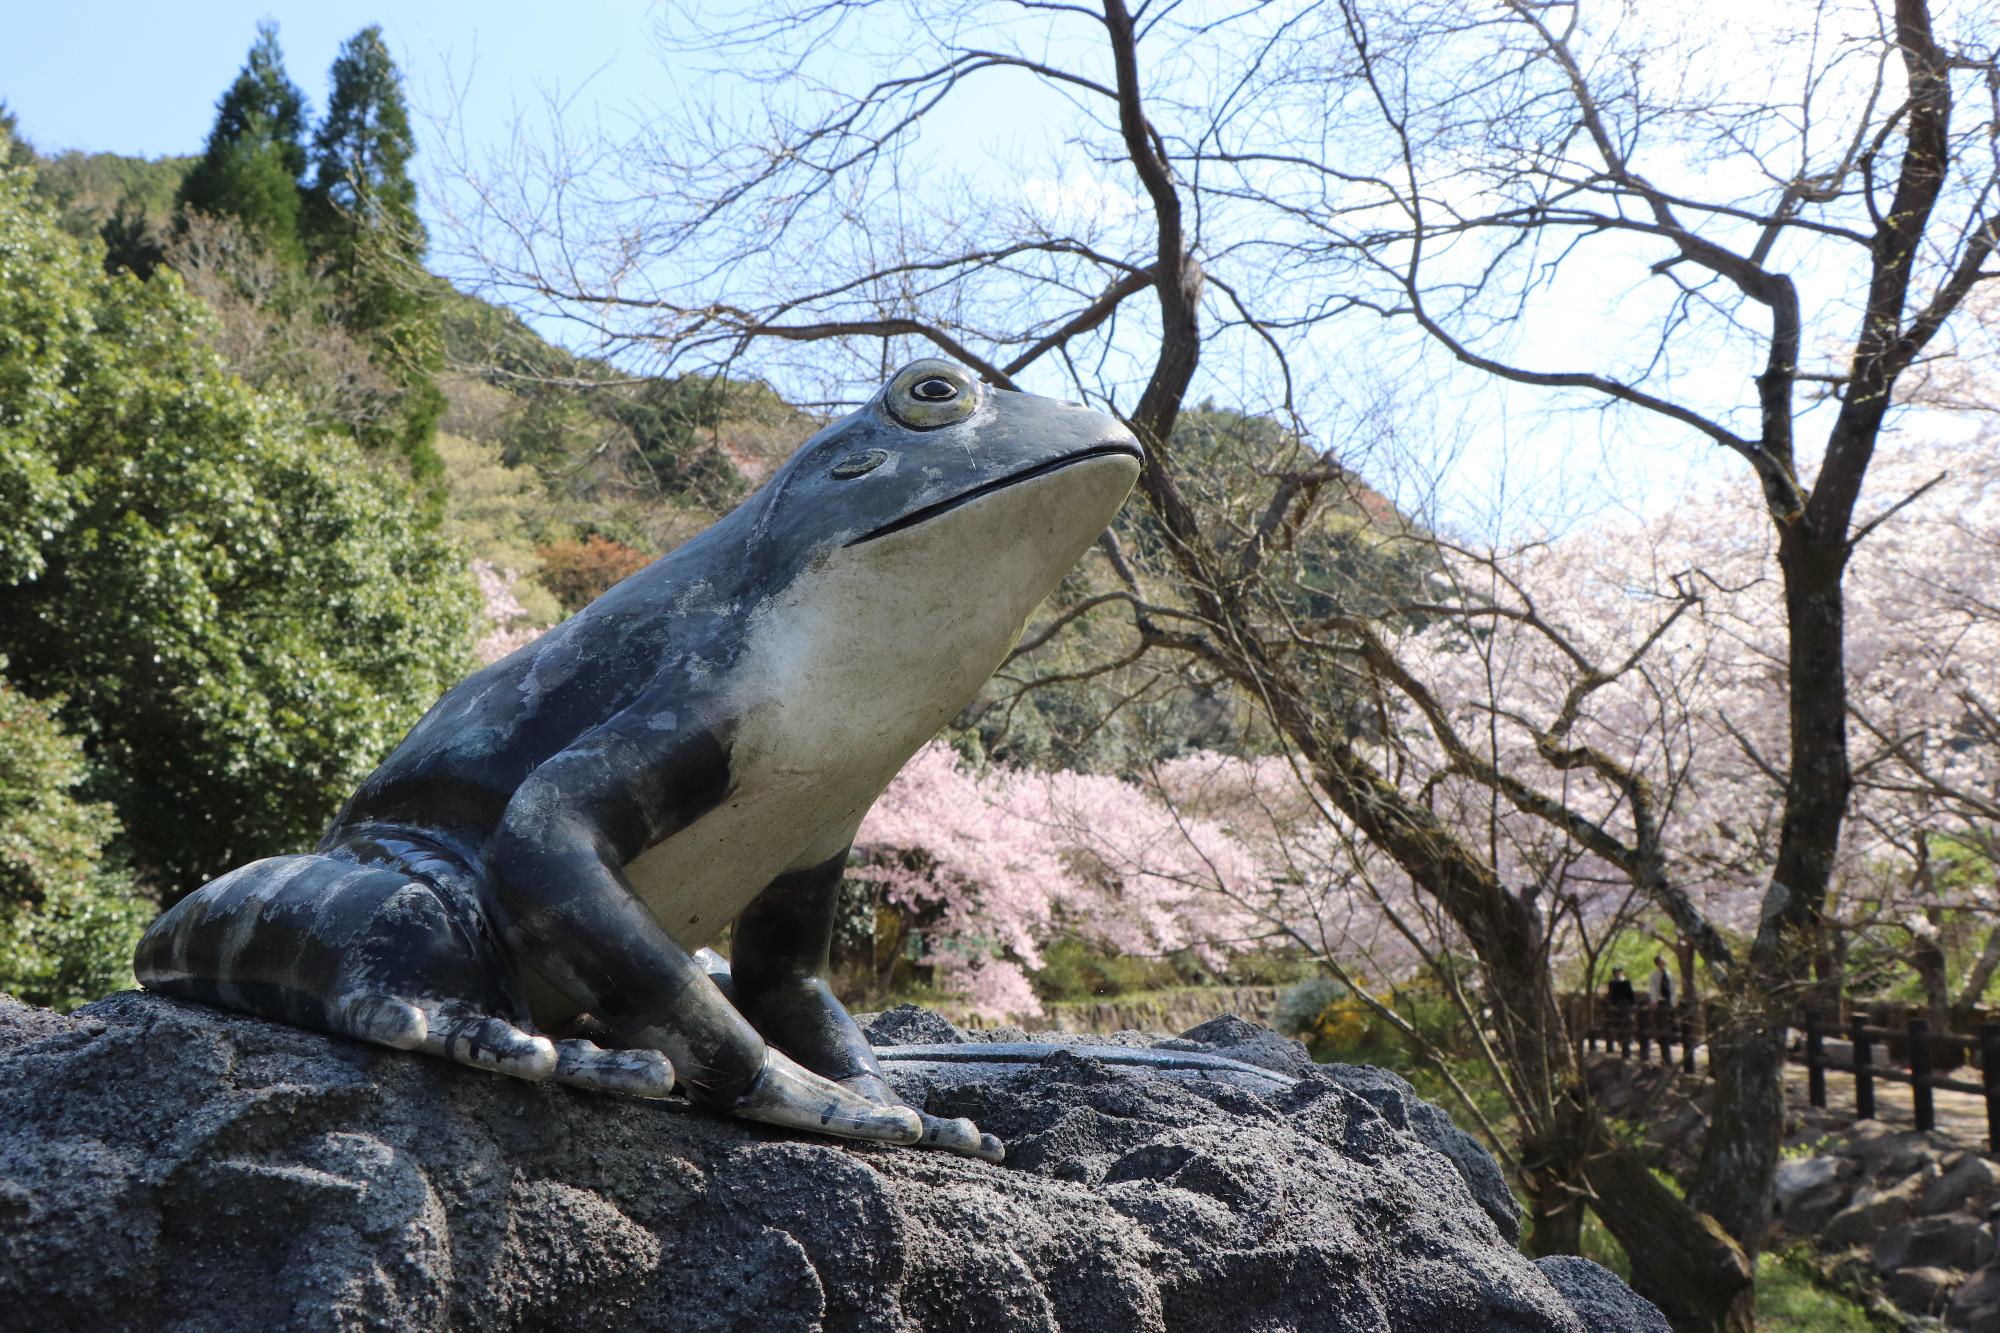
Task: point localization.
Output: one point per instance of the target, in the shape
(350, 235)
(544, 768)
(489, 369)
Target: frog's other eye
(930, 393)
(856, 465)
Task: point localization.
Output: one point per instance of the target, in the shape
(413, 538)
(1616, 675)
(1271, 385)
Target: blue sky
(143, 79)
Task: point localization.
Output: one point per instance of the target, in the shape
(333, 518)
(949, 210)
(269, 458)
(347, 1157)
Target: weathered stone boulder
(1948, 1240)
(1975, 1306)
(1810, 1190)
(164, 1166)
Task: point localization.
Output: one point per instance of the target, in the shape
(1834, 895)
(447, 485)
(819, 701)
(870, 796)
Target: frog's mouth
(1116, 449)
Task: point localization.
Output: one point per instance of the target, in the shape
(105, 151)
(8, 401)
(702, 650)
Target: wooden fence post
(1816, 1063)
(1687, 1043)
(1864, 1078)
(1920, 1072)
(1989, 1078)
(1644, 1013)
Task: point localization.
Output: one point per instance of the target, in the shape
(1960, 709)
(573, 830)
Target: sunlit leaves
(244, 616)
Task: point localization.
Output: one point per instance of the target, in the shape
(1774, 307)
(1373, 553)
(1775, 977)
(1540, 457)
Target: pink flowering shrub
(1197, 856)
(504, 620)
(996, 863)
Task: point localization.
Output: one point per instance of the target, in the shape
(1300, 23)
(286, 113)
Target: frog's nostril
(855, 465)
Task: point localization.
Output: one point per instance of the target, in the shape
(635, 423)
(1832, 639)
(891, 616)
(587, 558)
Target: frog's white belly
(847, 672)
(697, 881)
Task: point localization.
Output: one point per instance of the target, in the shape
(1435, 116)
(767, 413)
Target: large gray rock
(166, 1166)
(1810, 1190)
(1597, 1293)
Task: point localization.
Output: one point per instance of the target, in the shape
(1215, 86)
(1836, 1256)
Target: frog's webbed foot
(448, 1029)
(956, 1134)
(485, 1042)
(961, 1136)
(582, 1063)
(951, 1134)
(787, 1093)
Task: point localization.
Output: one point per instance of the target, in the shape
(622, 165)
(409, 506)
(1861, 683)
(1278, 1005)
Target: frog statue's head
(942, 490)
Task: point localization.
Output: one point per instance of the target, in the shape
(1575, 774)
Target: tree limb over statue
(1343, 166)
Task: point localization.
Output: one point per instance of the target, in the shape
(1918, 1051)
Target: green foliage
(1312, 1009)
(360, 223)
(591, 451)
(496, 513)
(242, 615)
(126, 202)
(14, 150)
(1339, 548)
(1793, 1296)
(361, 156)
(43, 306)
(1073, 969)
(69, 918)
(256, 155)
(673, 425)
(673, 430)
(1349, 550)
(132, 241)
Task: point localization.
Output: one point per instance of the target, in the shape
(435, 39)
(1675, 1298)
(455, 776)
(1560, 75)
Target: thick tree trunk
(1927, 960)
(1555, 1220)
(1740, 1155)
(1733, 1181)
(1682, 1260)
(1977, 980)
(1829, 970)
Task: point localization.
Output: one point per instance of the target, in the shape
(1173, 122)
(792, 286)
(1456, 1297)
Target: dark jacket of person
(1622, 996)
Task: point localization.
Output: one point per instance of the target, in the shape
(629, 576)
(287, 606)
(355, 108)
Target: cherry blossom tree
(505, 624)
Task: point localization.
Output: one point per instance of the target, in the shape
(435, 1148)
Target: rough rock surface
(1600, 1296)
(167, 1166)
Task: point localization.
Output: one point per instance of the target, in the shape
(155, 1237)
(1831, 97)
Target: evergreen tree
(361, 220)
(256, 153)
(14, 150)
(361, 191)
(131, 241)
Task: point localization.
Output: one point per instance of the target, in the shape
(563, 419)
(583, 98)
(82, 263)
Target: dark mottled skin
(484, 862)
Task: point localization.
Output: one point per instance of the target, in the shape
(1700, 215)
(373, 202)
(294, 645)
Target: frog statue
(544, 857)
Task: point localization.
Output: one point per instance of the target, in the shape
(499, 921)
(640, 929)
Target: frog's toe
(485, 1042)
(382, 1019)
(634, 1073)
(788, 1094)
(961, 1136)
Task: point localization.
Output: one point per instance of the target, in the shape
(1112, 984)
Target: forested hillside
(257, 465)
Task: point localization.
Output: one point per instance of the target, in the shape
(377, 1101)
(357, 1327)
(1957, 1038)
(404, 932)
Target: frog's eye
(930, 393)
(857, 465)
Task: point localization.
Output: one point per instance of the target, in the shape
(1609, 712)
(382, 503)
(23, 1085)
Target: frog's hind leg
(360, 951)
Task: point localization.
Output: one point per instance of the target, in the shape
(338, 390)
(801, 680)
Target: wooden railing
(1644, 1025)
(1922, 1046)
(1911, 1054)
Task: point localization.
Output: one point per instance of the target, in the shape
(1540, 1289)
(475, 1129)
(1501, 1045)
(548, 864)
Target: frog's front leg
(779, 961)
(570, 914)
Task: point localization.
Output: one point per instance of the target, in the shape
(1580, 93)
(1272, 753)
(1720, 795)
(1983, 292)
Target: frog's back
(662, 634)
